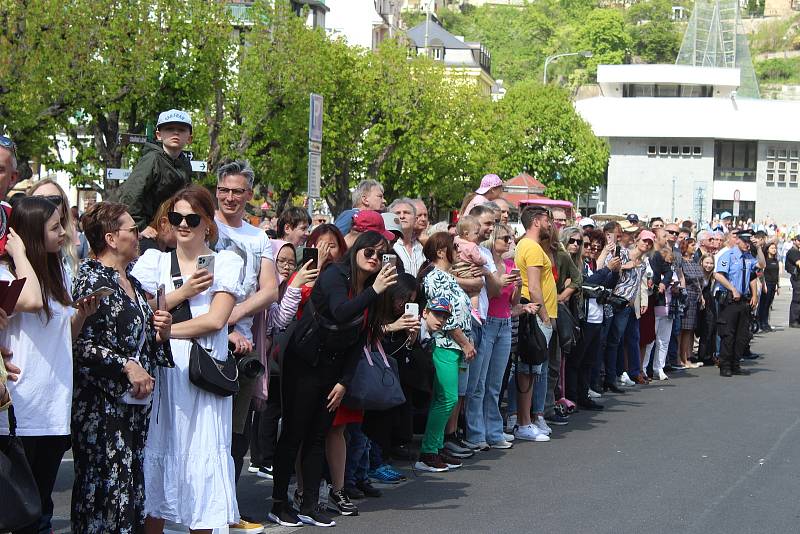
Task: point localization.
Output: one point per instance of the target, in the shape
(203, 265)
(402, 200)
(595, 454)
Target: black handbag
(375, 384)
(531, 343)
(207, 373)
(416, 366)
(19, 494)
(569, 333)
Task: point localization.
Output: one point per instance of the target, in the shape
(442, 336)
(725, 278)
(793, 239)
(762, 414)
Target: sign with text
(315, 118)
(199, 166)
(132, 139)
(314, 174)
(117, 174)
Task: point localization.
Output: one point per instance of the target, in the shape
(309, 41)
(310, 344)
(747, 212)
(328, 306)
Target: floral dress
(108, 435)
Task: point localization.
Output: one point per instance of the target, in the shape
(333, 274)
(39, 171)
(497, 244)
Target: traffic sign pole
(315, 102)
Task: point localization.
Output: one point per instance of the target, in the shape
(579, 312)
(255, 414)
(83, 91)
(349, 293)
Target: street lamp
(548, 59)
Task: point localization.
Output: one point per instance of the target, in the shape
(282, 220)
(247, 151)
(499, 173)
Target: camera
(250, 366)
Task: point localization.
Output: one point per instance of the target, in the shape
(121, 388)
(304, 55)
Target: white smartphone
(412, 309)
(206, 262)
(99, 293)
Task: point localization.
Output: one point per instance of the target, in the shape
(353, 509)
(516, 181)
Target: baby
(469, 257)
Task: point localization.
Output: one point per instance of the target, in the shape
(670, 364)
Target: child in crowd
(469, 257)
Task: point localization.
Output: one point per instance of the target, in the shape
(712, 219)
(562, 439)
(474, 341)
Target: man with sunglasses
(162, 170)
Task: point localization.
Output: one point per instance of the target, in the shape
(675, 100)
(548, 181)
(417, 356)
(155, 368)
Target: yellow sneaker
(245, 526)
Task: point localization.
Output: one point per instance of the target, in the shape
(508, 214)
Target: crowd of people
(346, 338)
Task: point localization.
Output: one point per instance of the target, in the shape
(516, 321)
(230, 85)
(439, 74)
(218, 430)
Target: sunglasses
(6, 142)
(673, 232)
(133, 229)
(370, 252)
(574, 241)
(55, 199)
(192, 219)
(506, 238)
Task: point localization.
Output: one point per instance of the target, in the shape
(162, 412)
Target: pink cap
(647, 234)
(490, 181)
(371, 221)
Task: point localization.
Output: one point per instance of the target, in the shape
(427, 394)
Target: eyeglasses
(673, 232)
(225, 191)
(574, 241)
(192, 219)
(286, 263)
(562, 221)
(132, 229)
(6, 142)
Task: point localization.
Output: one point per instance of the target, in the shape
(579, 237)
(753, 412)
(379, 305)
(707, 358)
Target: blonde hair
(69, 251)
(668, 254)
(465, 224)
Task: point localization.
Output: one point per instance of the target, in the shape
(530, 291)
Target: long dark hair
(435, 243)
(29, 219)
(350, 266)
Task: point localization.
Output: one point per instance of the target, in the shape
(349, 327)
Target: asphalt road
(698, 453)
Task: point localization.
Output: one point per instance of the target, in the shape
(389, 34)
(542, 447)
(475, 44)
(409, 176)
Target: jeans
(357, 465)
(264, 435)
(445, 397)
(484, 422)
(672, 352)
(631, 342)
(616, 331)
(466, 380)
(765, 302)
(476, 385)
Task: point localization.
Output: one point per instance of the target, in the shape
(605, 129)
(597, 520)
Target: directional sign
(314, 146)
(199, 166)
(314, 174)
(132, 139)
(117, 174)
(315, 118)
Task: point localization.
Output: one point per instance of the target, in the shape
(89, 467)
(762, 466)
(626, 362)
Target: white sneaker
(660, 375)
(594, 395)
(508, 437)
(501, 445)
(511, 422)
(530, 433)
(542, 426)
(625, 380)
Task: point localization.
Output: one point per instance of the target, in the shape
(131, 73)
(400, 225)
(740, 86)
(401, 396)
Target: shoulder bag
(209, 374)
(19, 495)
(375, 384)
(531, 343)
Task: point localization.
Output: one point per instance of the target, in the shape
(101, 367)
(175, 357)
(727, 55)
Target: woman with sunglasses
(318, 365)
(189, 471)
(116, 356)
(39, 334)
(50, 190)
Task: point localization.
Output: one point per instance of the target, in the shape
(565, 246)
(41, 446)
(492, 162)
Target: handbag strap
(12, 421)
(177, 281)
(368, 354)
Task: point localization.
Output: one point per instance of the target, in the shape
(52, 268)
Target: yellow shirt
(530, 254)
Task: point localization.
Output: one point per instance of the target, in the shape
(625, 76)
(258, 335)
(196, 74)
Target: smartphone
(514, 272)
(412, 309)
(99, 293)
(206, 262)
(389, 259)
(310, 254)
(610, 238)
(617, 251)
(161, 298)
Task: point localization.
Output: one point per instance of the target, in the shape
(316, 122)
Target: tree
(605, 34)
(655, 38)
(539, 132)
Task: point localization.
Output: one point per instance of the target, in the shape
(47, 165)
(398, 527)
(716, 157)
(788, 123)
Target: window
(770, 184)
(735, 160)
(770, 177)
(697, 151)
(793, 178)
(771, 153)
(674, 150)
(780, 153)
(781, 184)
(793, 166)
(793, 154)
(663, 150)
(781, 177)
(651, 150)
(686, 151)
(781, 165)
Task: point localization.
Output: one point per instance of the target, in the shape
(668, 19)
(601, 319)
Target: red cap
(371, 221)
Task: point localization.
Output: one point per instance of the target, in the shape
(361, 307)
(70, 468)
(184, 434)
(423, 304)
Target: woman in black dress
(772, 286)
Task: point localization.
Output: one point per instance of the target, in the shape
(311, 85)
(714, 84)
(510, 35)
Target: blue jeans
(357, 464)
(466, 381)
(625, 325)
(632, 345)
(484, 423)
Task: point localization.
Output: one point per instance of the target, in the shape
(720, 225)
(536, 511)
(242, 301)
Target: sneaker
(660, 375)
(430, 463)
(245, 526)
(252, 468)
(530, 433)
(501, 445)
(339, 502)
(353, 492)
(625, 380)
(297, 500)
(384, 475)
(452, 463)
(395, 473)
(482, 446)
(368, 489)
(511, 422)
(541, 424)
(283, 515)
(508, 437)
(455, 446)
(265, 472)
(594, 395)
(317, 518)
(556, 419)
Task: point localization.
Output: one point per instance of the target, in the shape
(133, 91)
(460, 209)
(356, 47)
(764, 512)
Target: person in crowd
(792, 267)
(453, 350)
(189, 445)
(318, 366)
(165, 240)
(491, 188)
(161, 171)
(665, 286)
(772, 285)
(391, 223)
(259, 290)
(470, 261)
(39, 333)
(368, 195)
(8, 177)
(422, 223)
(567, 261)
(53, 192)
(505, 209)
(656, 223)
(538, 287)
(366, 221)
(736, 294)
(559, 218)
(692, 274)
(117, 355)
(587, 223)
(293, 225)
(408, 248)
(707, 320)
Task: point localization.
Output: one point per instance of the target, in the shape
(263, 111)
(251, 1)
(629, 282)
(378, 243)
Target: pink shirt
(500, 306)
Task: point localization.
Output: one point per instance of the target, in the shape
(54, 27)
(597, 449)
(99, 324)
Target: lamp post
(548, 59)
(427, 22)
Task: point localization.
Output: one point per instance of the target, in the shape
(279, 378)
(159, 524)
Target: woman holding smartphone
(189, 471)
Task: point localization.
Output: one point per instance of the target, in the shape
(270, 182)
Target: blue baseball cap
(440, 304)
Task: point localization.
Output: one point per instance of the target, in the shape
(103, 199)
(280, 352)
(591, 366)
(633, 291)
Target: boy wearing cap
(162, 170)
(491, 188)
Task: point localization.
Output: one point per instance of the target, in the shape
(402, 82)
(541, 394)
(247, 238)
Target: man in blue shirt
(735, 290)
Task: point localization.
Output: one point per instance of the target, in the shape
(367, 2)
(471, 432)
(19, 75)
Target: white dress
(188, 468)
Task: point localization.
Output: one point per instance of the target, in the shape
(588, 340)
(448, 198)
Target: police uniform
(734, 316)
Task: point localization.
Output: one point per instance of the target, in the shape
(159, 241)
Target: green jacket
(154, 179)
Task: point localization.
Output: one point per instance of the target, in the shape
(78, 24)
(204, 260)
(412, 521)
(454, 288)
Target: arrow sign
(117, 174)
(199, 166)
(132, 139)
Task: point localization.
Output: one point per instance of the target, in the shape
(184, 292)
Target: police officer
(736, 295)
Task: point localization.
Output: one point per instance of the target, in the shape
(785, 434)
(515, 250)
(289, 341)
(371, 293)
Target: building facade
(364, 23)
(685, 145)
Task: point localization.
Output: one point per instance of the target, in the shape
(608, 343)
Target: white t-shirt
(43, 351)
(483, 298)
(252, 245)
(411, 262)
(594, 313)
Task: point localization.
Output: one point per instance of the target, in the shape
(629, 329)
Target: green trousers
(445, 397)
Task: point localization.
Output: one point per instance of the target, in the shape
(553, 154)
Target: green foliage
(778, 70)
(607, 37)
(656, 39)
(774, 35)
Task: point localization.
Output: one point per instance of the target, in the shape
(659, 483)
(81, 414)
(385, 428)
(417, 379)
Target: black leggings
(264, 434)
(579, 364)
(306, 421)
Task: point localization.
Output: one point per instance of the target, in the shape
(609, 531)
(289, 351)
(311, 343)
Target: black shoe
(338, 502)
(589, 404)
(368, 489)
(766, 328)
(727, 373)
(402, 452)
(283, 515)
(317, 518)
(265, 472)
(613, 388)
(752, 356)
(353, 492)
(740, 372)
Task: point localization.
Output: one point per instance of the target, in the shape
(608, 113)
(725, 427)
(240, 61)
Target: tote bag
(375, 384)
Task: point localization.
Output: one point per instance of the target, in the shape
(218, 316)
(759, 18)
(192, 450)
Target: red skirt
(345, 415)
(647, 323)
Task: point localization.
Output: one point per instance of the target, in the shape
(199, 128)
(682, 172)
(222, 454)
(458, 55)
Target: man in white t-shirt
(408, 248)
(258, 280)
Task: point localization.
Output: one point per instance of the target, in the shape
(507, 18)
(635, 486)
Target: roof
(517, 198)
(435, 33)
(683, 74)
(527, 181)
(693, 118)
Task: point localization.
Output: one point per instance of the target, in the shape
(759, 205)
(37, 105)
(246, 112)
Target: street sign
(314, 146)
(315, 118)
(117, 174)
(735, 208)
(314, 174)
(737, 195)
(199, 166)
(132, 139)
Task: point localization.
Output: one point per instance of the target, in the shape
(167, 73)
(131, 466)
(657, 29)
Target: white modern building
(683, 144)
(364, 23)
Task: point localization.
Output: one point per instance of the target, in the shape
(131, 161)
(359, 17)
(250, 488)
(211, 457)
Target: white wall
(352, 19)
(642, 184)
(777, 203)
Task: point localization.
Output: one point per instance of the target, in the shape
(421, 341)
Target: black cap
(633, 218)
